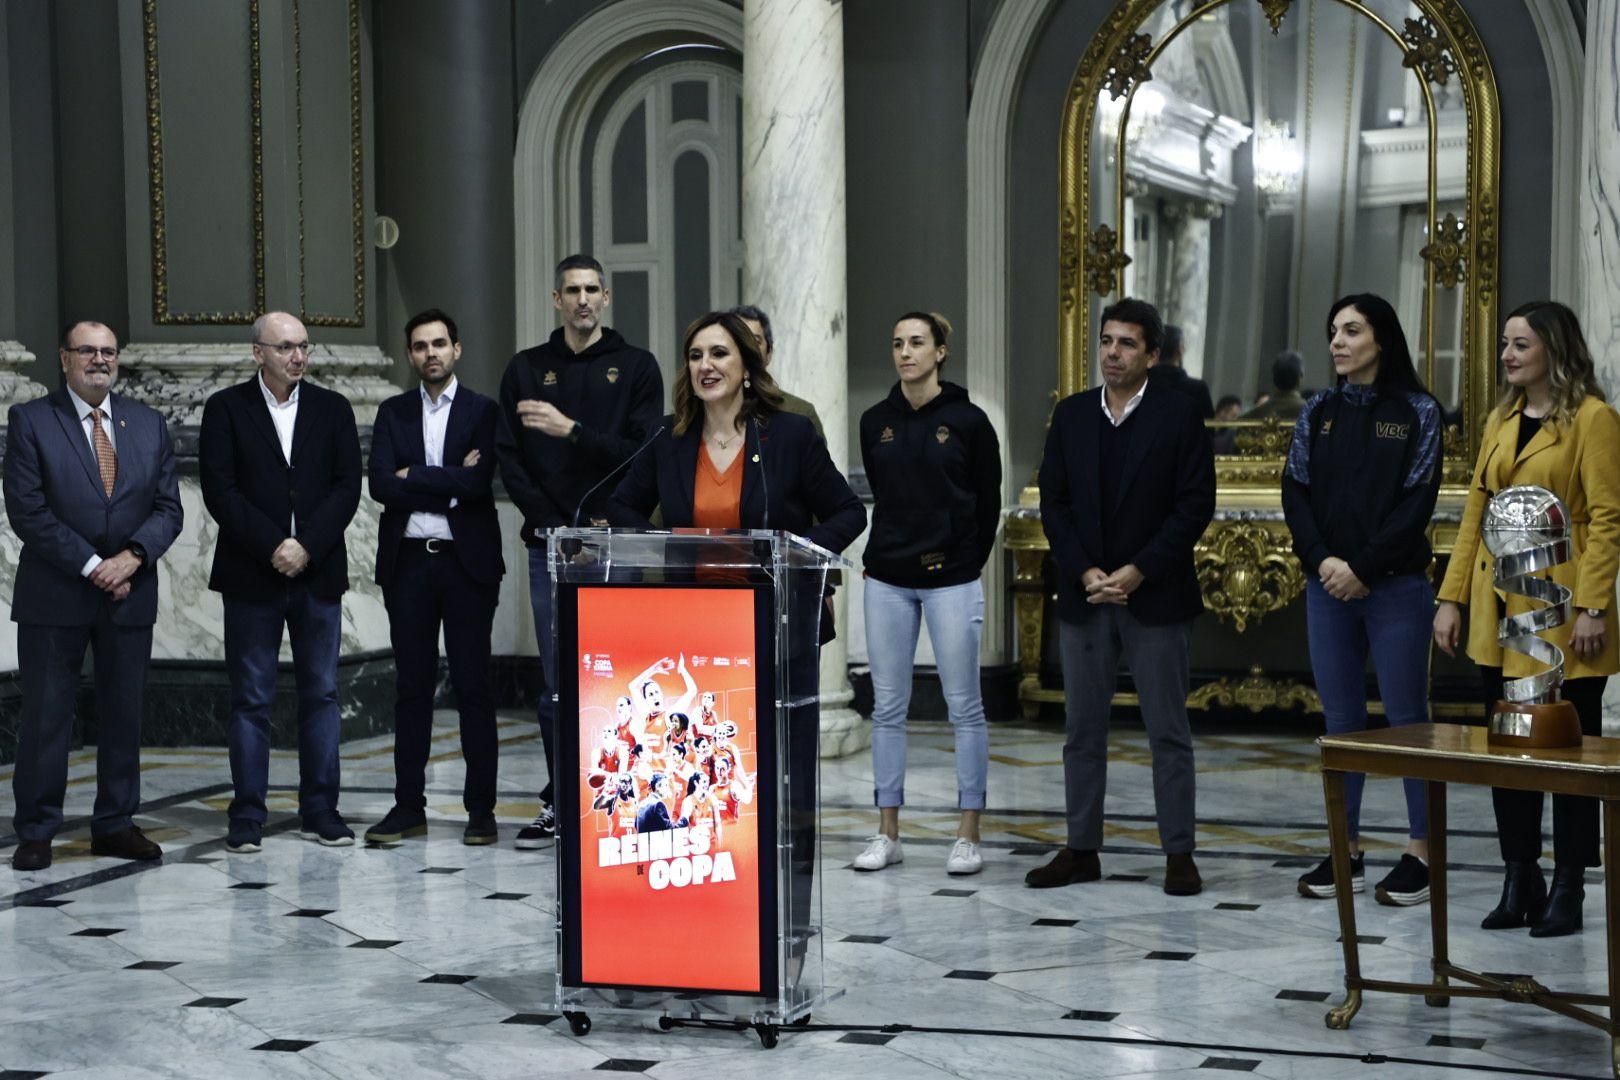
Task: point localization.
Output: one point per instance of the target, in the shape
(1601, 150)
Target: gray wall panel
(8, 213)
(30, 65)
(328, 190)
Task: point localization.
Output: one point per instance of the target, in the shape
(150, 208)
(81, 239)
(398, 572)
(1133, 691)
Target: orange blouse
(716, 496)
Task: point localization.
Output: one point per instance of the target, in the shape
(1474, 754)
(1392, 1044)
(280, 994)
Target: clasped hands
(467, 462)
(1115, 588)
(1339, 580)
(112, 574)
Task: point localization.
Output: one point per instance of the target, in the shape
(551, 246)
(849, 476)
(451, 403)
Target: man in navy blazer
(438, 562)
(91, 491)
(1127, 488)
(280, 464)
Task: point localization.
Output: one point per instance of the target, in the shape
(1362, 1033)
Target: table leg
(1611, 918)
(1437, 891)
(1339, 844)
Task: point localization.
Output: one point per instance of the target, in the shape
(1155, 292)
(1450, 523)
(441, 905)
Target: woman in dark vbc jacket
(934, 464)
(1359, 489)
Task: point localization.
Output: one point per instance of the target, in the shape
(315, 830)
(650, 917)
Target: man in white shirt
(439, 564)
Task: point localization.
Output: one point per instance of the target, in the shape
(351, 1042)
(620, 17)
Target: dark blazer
(808, 495)
(63, 515)
(1166, 498)
(1174, 377)
(396, 442)
(253, 493)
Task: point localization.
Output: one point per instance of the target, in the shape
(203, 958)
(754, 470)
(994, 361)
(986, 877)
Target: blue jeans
(955, 615)
(1392, 622)
(252, 642)
(546, 706)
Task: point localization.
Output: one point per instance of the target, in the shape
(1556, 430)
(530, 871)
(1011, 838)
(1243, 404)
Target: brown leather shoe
(130, 843)
(1068, 867)
(1181, 875)
(31, 855)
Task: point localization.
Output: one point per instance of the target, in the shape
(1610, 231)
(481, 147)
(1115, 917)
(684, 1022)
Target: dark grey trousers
(1157, 656)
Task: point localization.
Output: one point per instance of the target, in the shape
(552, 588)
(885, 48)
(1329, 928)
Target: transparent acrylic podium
(687, 788)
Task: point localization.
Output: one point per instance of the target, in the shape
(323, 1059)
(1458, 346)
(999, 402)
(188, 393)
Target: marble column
(1186, 300)
(1599, 231)
(793, 232)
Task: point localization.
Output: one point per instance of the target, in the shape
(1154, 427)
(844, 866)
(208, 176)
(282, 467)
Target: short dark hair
(749, 311)
(64, 342)
(578, 262)
(1138, 313)
(1170, 349)
(1287, 370)
(1228, 399)
(431, 315)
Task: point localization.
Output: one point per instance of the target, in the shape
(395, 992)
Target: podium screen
(662, 853)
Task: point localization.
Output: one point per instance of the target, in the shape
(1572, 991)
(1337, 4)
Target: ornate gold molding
(1448, 251)
(1246, 570)
(1105, 258)
(1256, 692)
(356, 177)
(1274, 11)
(1129, 68)
(1425, 53)
(162, 314)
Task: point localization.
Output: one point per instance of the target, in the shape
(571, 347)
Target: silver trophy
(1527, 529)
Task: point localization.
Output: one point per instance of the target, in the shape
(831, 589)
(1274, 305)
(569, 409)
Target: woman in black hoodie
(934, 464)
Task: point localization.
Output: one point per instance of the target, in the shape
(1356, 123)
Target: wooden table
(1451, 753)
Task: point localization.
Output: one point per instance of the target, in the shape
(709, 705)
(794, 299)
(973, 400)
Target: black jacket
(936, 484)
(612, 389)
(808, 495)
(396, 442)
(1165, 499)
(254, 494)
(1173, 377)
(1362, 478)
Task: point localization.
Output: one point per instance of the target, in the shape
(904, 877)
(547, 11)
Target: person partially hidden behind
(92, 493)
(1127, 488)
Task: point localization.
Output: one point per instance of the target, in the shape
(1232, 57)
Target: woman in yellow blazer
(1552, 429)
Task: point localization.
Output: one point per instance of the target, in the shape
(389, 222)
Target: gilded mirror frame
(1442, 43)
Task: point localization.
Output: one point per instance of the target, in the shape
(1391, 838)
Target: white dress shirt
(84, 409)
(284, 415)
(1130, 406)
(435, 421)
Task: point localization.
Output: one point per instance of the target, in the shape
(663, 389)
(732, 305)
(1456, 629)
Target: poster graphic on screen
(669, 851)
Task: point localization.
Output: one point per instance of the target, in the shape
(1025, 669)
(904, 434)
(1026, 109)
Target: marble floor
(424, 959)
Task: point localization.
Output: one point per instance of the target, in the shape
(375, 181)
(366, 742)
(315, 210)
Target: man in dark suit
(1167, 371)
(280, 462)
(438, 561)
(1127, 488)
(92, 493)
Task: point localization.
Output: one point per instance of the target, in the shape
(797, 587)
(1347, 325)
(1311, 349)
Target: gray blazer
(58, 508)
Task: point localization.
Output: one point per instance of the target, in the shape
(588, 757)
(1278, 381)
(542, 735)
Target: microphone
(620, 467)
(764, 481)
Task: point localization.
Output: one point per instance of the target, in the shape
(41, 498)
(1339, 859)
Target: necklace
(723, 444)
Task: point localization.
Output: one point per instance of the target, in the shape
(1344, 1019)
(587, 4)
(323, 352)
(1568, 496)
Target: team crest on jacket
(942, 433)
(1327, 426)
(612, 374)
(887, 436)
(1386, 429)
(550, 379)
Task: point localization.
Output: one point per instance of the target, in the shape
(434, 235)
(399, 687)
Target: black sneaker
(1318, 884)
(1405, 885)
(328, 830)
(396, 825)
(244, 838)
(539, 834)
(480, 830)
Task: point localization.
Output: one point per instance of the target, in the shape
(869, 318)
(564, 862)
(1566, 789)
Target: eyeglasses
(90, 352)
(287, 348)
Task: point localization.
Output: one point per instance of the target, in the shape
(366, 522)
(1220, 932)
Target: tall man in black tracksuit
(1127, 488)
(573, 409)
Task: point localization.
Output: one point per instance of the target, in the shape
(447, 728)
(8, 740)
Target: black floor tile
(1456, 1042)
(20, 1074)
(1229, 906)
(253, 885)
(152, 965)
(962, 973)
(507, 896)
(455, 980)
(631, 1065)
(1055, 922)
(1230, 1064)
(954, 892)
(1364, 939)
(864, 939)
(1127, 877)
(98, 931)
(1160, 954)
(1090, 1014)
(214, 1003)
(42, 903)
(1029, 849)
(310, 913)
(441, 870)
(1302, 995)
(286, 1046)
(373, 943)
(866, 1038)
(531, 1019)
(1296, 862)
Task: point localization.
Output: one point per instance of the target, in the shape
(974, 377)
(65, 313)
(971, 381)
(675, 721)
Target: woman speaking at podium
(1554, 430)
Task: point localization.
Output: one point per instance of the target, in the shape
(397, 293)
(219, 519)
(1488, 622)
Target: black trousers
(429, 590)
(1575, 817)
(49, 659)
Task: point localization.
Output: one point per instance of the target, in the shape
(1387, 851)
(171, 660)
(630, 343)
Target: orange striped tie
(106, 460)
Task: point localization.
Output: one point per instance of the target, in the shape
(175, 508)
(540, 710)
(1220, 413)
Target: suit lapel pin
(123, 423)
(756, 459)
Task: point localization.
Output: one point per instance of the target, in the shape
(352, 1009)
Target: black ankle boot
(1524, 893)
(1563, 912)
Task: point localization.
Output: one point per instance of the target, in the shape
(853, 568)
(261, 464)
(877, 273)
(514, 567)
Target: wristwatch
(573, 432)
(1596, 613)
(139, 552)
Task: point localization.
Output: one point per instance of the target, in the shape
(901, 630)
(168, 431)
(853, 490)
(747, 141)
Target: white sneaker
(880, 852)
(964, 858)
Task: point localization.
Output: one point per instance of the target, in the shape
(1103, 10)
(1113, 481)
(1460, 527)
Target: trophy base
(1534, 726)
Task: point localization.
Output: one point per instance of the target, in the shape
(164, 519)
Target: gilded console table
(1247, 570)
(1451, 753)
